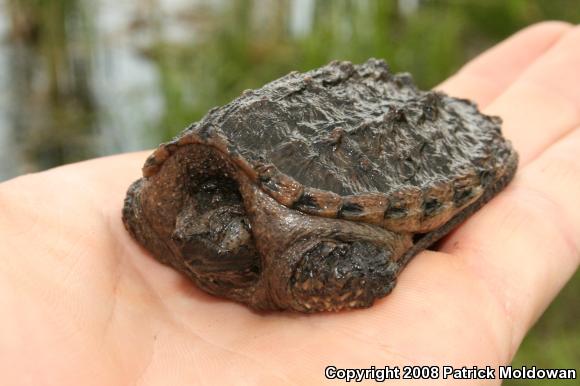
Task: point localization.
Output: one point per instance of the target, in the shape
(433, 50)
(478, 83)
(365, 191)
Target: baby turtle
(313, 192)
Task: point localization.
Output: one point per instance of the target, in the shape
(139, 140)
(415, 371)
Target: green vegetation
(554, 342)
(53, 111)
(235, 52)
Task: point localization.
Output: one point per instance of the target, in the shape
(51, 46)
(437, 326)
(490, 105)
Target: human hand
(82, 303)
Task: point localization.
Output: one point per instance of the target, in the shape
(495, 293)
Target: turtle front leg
(311, 263)
(333, 275)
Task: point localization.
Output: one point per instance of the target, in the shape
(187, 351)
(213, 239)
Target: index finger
(487, 76)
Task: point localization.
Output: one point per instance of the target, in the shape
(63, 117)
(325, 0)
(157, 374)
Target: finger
(537, 249)
(92, 179)
(543, 104)
(488, 75)
(111, 174)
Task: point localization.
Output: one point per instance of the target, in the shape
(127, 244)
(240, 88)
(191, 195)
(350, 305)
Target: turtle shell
(360, 143)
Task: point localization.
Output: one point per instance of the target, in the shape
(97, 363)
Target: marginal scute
(464, 189)
(187, 139)
(318, 203)
(404, 211)
(371, 208)
(283, 189)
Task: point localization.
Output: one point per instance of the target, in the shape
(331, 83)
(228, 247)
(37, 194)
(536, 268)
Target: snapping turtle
(313, 192)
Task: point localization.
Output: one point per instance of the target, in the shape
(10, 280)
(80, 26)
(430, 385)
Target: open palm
(82, 303)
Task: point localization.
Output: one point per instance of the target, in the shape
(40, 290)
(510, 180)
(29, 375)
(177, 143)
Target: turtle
(313, 192)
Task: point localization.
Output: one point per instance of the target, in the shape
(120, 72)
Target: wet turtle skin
(313, 192)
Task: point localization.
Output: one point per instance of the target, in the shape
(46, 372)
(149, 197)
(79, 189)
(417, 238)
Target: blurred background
(82, 78)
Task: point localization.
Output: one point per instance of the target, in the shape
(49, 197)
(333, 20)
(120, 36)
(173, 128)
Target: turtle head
(189, 214)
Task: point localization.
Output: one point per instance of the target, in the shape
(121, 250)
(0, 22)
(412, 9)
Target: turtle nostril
(235, 235)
